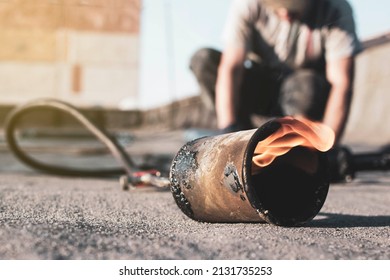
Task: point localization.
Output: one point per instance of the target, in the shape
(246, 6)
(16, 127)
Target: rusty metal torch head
(213, 179)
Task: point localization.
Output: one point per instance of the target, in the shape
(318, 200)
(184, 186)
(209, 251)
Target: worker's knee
(304, 93)
(204, 61)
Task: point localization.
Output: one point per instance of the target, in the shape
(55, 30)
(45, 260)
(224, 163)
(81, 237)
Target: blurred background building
(82, 51)
(110, 55)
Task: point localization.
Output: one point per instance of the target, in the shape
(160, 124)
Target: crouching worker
(282, 57)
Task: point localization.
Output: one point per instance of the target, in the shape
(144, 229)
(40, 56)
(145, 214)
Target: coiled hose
(134, 175)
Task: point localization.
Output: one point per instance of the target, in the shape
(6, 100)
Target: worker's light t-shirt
(326, 33)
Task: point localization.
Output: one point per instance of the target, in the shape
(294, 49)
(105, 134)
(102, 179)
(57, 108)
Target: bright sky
(172, 30)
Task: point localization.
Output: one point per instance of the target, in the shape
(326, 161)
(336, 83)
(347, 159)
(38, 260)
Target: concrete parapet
(185, 113)
(369, 118)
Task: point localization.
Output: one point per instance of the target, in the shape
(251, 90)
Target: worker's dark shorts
(265, 91)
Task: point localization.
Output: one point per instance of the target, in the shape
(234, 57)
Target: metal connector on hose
(144, 178)
(212, 181)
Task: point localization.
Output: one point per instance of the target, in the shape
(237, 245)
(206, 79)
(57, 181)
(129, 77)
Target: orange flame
(292, 133)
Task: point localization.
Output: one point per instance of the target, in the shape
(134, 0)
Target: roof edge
(377, 40)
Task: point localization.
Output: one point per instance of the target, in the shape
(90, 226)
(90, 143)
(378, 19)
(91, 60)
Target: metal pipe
(344, 164)
(371, 162)
(212, 181)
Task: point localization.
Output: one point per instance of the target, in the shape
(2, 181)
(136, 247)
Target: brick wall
(82, 51)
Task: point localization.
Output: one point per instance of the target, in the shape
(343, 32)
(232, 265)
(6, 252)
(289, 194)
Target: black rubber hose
(11, 124)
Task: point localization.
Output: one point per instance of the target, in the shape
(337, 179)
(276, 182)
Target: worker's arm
(339, 73)
(230, 75)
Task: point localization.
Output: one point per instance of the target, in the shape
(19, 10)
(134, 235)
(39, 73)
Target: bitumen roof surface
(54, 217)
